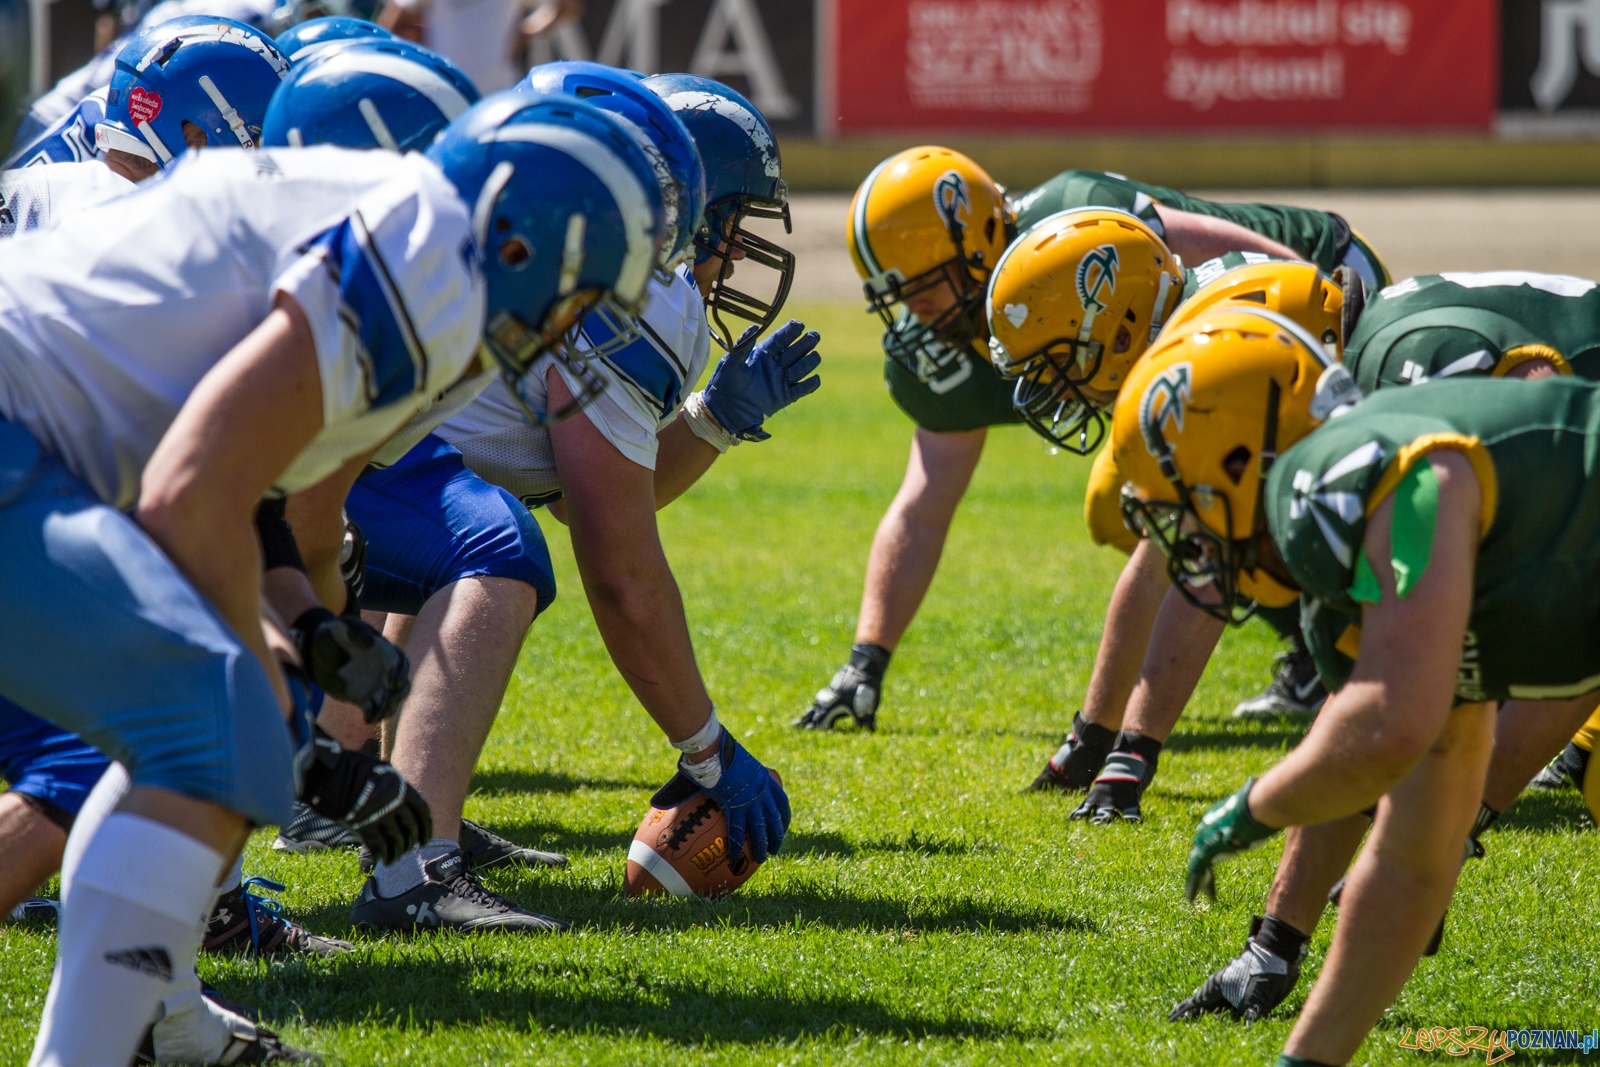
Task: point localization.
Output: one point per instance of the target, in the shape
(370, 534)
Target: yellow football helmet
(926, 228)
(1197, 427)
(1297, 290)
(1072, 304)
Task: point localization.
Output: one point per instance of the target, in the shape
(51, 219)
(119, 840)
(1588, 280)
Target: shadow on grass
(606, 909)
(829, 845)
(1218, 737)
(452, 984)
(1561, 811)
(513, 781)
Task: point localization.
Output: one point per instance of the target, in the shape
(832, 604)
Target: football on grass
(683, 852)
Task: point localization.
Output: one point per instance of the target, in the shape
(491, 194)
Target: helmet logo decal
(950, 197)
(1164, 401)
(1097, 272)
(1016, 314)
(143, 105)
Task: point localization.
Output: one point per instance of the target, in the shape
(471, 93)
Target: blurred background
(1227, 96)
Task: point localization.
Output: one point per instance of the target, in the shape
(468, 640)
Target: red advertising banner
(1115, 65)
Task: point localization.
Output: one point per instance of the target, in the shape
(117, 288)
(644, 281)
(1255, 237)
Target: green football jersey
(1319, 236)
(1534, 630)
(971, 394)
(1445, 325)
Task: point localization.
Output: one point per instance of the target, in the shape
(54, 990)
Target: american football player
(185, 83)
(1434, 535)
(926, 229)
(329, 319)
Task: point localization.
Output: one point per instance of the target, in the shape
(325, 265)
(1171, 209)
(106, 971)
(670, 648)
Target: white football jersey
(109, 320)
(37, 198)
(646, 384)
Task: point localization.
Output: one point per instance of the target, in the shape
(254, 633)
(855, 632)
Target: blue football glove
(757, 379)
(748, 794)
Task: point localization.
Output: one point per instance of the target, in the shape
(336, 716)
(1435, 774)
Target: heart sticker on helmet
(1016, 314)
(143, 105)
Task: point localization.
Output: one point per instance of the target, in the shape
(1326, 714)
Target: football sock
(133, 920)
(100, 803)
(1278, 937)
(191, 1028)
(1095, 739)
(1146, 748)
(234, 878)
(405, 873)
(871, 660)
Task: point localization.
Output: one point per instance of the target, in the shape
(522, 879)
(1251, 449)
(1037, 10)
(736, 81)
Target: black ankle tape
(1278, 937)
(1286, 1060)
(871, 660)
(1486, 818)
(1146, 748)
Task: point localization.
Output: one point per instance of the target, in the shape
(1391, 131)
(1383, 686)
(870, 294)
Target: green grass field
(923, 909)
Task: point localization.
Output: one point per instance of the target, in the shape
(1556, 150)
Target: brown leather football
(683, 852)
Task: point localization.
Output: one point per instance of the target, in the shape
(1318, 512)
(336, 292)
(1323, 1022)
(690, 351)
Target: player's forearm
(1197, 238)
(317, 516)
(640, 615)
(681, 458)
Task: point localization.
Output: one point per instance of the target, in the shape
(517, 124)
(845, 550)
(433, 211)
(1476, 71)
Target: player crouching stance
(1430, 533)
(312, 302)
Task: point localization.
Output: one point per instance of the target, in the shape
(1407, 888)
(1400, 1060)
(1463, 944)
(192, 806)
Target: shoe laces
(466, 885)
(255, 906)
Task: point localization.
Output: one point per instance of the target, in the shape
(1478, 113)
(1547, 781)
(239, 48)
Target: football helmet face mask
(744, 181)
(389, 94)
(1071, 305)
(216, 74)
(1197, 428)
(926, 228)
(568, 217)
(308, 37)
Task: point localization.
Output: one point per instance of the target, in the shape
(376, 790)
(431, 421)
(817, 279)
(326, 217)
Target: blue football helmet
(568, 217)
(744, 180)
(663, 137)
(307, 38)
(217, 74)
(369, 94)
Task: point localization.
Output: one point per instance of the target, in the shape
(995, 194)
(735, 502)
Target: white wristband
(702, 738)
(704, 424)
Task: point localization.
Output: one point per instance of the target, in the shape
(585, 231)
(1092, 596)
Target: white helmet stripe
(859, 222)
(229, 115)
(638, 220)
(446, 97)
(375, 123)
(752, 125)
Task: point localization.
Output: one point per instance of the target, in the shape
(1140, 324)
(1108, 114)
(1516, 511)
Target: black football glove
(367, 797)
(1117, 791)
(1076, 764)
(351, 661)
(353, 566)
(1248, 986)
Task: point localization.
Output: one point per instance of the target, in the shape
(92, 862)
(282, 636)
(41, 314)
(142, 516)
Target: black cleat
(485, 850)
(1296, 691)
(246, 924)
(310, 832)
(1074, 766)
(248, 1043)
(852, 695)
(1566, 771)
(449, 898)
(37, 910)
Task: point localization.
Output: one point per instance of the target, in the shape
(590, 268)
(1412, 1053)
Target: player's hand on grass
(1247, 987)
(761, 378)
(367, 797)
(351, 661)
(1227, 828)
(749, 795)
(1116, 791)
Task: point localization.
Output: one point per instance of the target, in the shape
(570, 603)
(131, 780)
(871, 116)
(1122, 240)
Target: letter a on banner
(738, 22)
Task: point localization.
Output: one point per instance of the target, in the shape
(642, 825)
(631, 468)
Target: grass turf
(923, 910)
